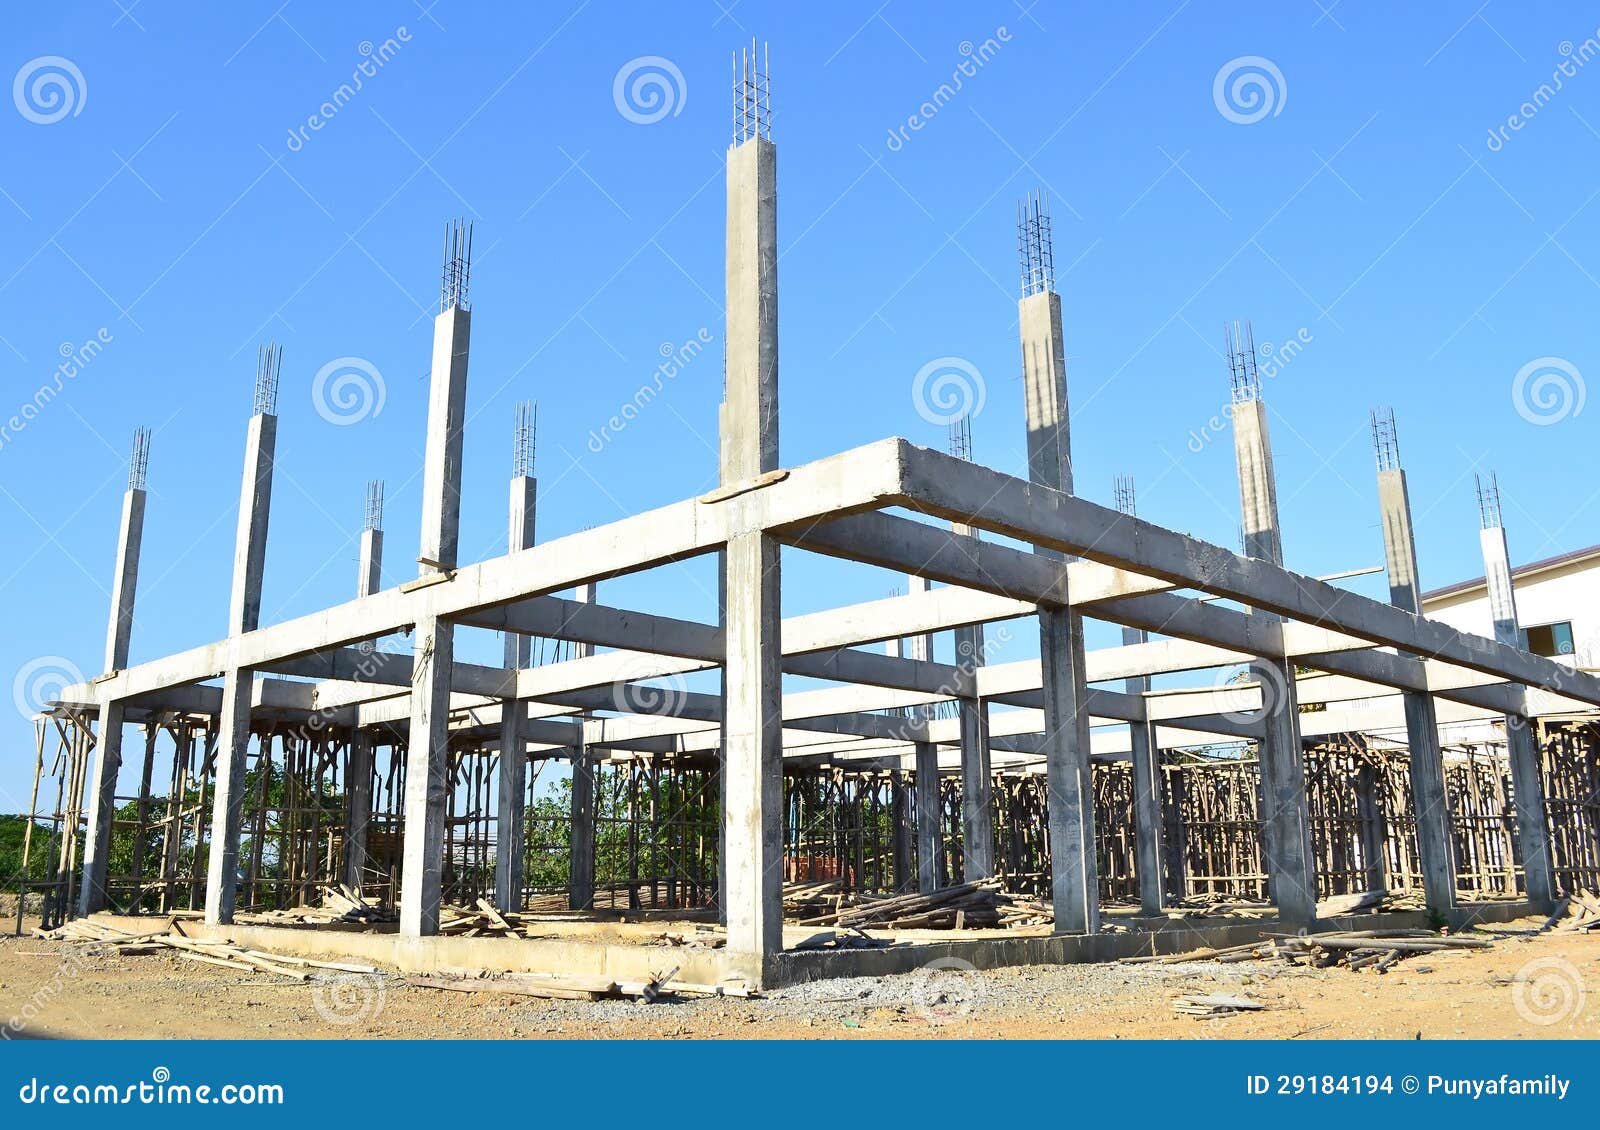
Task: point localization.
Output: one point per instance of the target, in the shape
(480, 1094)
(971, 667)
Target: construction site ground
(1529, 984)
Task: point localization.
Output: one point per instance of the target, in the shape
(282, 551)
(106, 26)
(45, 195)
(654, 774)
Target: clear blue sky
(171, 208)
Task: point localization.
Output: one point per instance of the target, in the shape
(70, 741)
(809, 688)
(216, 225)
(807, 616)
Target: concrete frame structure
(1086, 560)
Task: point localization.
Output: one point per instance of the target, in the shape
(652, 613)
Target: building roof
(1571, 557)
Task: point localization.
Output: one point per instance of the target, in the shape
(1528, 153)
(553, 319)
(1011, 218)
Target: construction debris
(339, 904)
(1578, 912)
(1378, 950)
(207, 951)
(1205, 1006)
(571, 987)
(962, 906)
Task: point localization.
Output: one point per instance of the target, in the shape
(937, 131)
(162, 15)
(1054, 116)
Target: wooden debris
(1214, 1004)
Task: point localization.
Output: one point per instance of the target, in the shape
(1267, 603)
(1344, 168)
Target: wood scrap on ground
(1207, 1005)
(554, 986)
(1378, 950)
(113, 939)
(976, 905)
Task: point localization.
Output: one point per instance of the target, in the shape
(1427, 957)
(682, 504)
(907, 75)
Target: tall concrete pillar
(512, 786)
(927, 812)
(433, 639)
(1148, 827)
(977, 786)
(1522, 744)
(119, 633)
(1285, 815)
(1429, 798)
(752, 686)
(1075, 881)
(244, 615)
(580, 878)
(358, 769)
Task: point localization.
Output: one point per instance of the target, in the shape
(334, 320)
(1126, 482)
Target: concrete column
(433, 639)
(1075, 882)
(1429, 797)
(930, 838)
(369, 577)
(580, 879)
(1373, 833)
(977, 786)
(904, 845)
(1285, 816)
(752, 679)
(108, 759)
(1522, 746)
(233, 747)
(244, 615)
(358, 807)
(1147, 822)
(255, 506)
(512, 785)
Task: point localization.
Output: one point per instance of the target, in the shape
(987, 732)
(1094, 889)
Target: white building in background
(1558, 606)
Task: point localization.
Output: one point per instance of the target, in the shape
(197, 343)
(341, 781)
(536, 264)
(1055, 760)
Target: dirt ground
(1525, 986)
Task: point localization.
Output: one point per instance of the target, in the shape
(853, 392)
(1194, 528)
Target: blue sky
(173, 209)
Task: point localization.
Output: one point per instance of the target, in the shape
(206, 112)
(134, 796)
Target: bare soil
(1525, 986)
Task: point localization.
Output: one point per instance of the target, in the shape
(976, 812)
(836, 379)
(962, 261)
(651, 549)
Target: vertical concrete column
(1147, 822)
(108, 759)
(244, 615)
(1429, 798)
(433, 639)
(358, 806)
(512, 785)
(1522, 745)
(233, 746)
(580, 877)
(925, 769)
(1373, 832)
(1075, 882)
(1285, 815)
(358, 769)
(977, 786)
(752, 686)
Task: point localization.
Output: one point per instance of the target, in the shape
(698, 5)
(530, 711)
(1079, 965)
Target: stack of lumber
(209, 952)
(808, 899)
(1216, 906)
(572, 987)
(339, 904)
(1578, 912)
(482, 920)
(1375, 901)
(1207, 1005)
(1378, 950)
(962, 906)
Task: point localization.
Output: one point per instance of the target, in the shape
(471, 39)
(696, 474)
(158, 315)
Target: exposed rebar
(1385, 440)
(1122, 488)
(752, 93)
(269, 363)
(374, 520)
(1241, 345)
(960, 437)
(1489, 501)
(524, 440)
(139, 459)
(457, 266)
(1035, 246)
